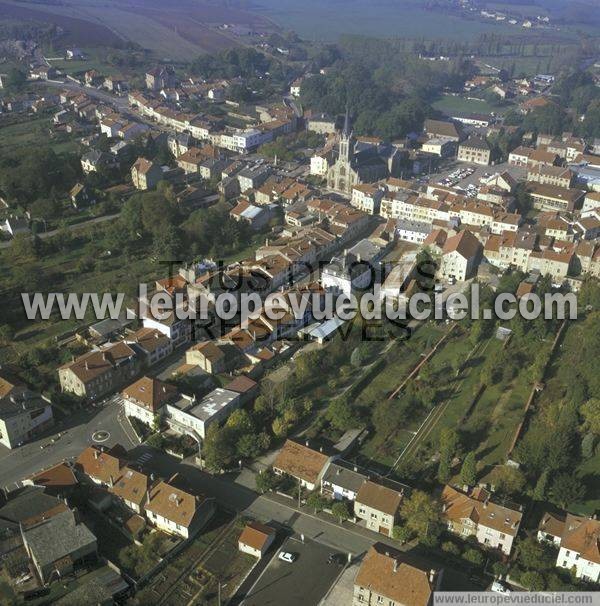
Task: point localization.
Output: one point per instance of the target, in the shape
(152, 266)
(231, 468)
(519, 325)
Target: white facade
(167, 525)
(494, 539)
(19, 425)
(319, 166)
(584, 569)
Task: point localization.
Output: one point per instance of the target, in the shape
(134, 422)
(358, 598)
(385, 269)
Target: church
(358, 162)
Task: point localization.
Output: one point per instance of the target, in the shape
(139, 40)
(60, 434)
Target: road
(77, 432)
(53, 232)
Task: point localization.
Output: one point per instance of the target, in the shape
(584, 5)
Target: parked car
(286, 556)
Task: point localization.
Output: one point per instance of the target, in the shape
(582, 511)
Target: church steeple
(345, 147)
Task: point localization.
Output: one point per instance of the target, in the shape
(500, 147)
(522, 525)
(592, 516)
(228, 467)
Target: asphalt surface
(284, 583)
(101, 425)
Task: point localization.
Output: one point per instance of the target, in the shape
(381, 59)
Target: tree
(316, 501)
(588, 445)
(508, 481)
(533, 580)
(474, 556)
(218, 449)
(532, 555)
(468, 471)
(541, 486)
(421, 514)
(402, 533)
(590, 411)
(340, 510)
(448, 447)
(341, 415)
(265, 480)
(566, 489)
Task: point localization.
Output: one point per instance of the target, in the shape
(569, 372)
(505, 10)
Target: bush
(474, 556)
(451, 548)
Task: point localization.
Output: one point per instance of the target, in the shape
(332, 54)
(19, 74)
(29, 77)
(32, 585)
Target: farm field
(328, 20)
(177, 32)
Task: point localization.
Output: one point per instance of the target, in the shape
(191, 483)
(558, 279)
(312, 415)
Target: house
(255, 216)
(131, 488)
(208, 355)
(378, 505)
(443, 147)
(58, 480)
(580, 547)
(98, 465)
(342, 480)
(57, 544)
(151, 345)
(177, 511)
(256, 538)
(24, 414)
(475, 514)
(520, 156)
(367, 198)
(99, 371)
(551, 528)
(15, 225)
(81, 196)
(412, 231)
(160, 77)
(461, 255)
(245, 386)
(301, 463)
(191, 417)
(95, 160)
(475, 150)
(146, 398)
(388, 577)
(440, 128)
(322, 124)
(145, 174)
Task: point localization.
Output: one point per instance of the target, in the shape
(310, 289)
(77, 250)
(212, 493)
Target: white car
(499, 587)
(286, 556)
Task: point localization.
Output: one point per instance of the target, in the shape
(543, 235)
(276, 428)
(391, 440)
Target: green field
(315, 19)
(32, 132)
(451, 105)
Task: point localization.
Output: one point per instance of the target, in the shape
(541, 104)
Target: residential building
(146, 398)
(24, 414)
(378, 505)
(145, 174)
(209, 355)
(461, 256)
(150, 344)
(439, 128)
(98, 465)
(551, 175)
(413, 231)
(579, 547)
(322, 124)
(57, 544)
(192, 417)
(475, 514)
(551, 528)
(520, 156)
(475, 150)
(301, 463)
(342, 480)
(550, 197)
(256, 538)
(367, 198)
(388, 577)
(439, 146)
(177, 511)
(131, 487)
(99, 371)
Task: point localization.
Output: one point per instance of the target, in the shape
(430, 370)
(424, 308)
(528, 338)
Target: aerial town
(149, 457)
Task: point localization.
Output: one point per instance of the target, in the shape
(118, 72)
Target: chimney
(96, 454)
(432, 575)
(87, 366)
(355, 468)
(395, 565)
(320, 449)
(111, 482)
(148, 497)
(306, 443)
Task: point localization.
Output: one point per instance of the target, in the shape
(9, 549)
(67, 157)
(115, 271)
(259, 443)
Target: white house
(461, 256)
(256, 539)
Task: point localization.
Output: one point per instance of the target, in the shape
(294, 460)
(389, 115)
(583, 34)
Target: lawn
(30, 132)
(451, 105)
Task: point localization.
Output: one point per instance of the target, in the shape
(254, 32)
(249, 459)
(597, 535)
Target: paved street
(107, 424)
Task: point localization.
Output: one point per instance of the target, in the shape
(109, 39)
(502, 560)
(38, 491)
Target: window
(380, 599)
